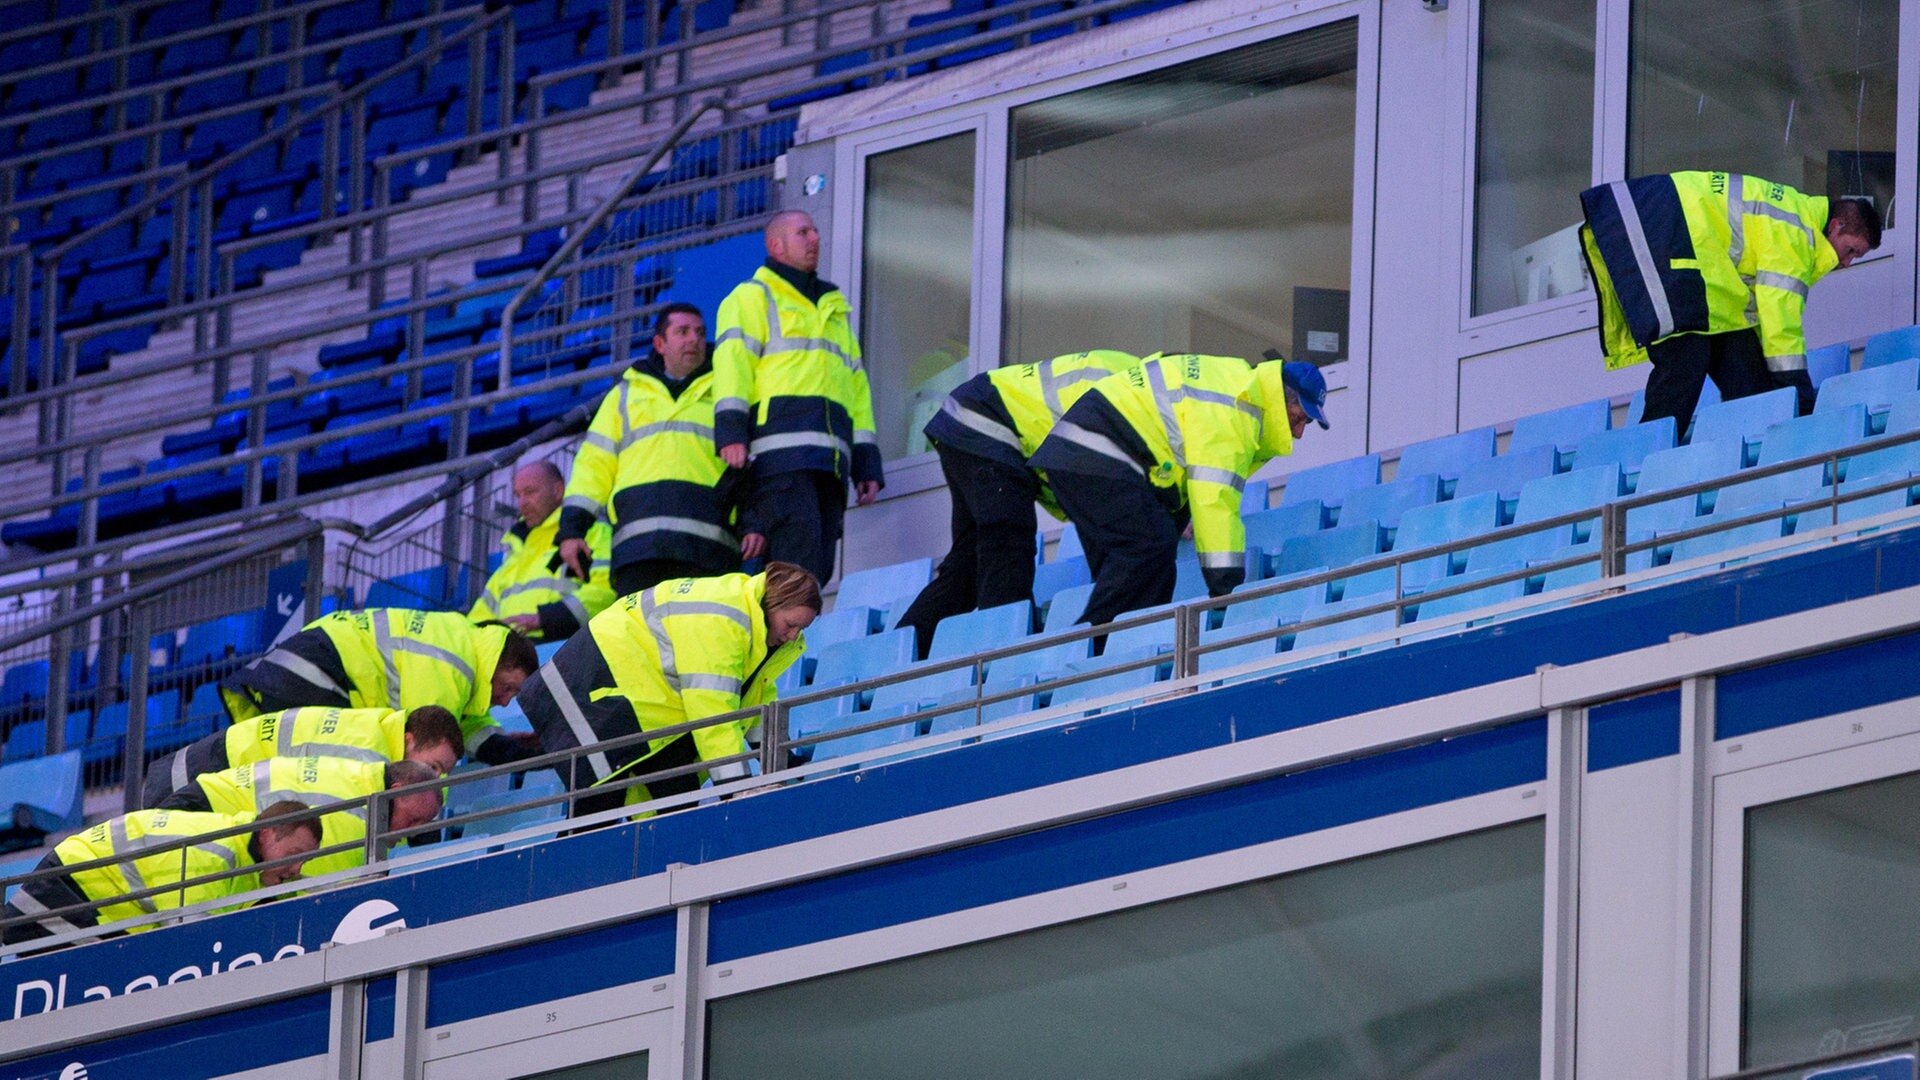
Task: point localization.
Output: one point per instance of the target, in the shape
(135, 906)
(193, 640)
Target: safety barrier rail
(771, 757)
(1855, 1064)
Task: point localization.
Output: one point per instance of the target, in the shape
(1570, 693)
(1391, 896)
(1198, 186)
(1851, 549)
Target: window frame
(989, 116)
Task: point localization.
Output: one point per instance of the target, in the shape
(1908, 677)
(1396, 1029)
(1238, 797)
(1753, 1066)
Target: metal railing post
(89, 531)
(1186, 635)
(376, 826)
(1613, 536)
(773, 737)
(140, 649)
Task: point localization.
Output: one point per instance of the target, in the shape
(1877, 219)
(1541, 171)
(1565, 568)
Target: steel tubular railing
(772, 722)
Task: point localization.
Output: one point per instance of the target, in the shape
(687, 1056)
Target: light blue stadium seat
(1442, 523)
(462, 798)
(1343, 545)
(1385, 503)
(1892, 347)
(1626, 447)
(1874, 388)
(1636, 408)
(1485, 596)
(1069, 545)
(1039, 663)
(1826, 362)
(1152, 637)
(1317, 637)
(977, 631)
(840, 624)
(885, 588)
(1729, 539)
(1745, 419)
(913, 695)
(1117, 683)
(1902, 458)
(1562, 429)
(1447, 456)
(1551, 497)
(891, 735)
(1270, 612)
(1694, 463)
(1330, 484)
(1507, 474)
(502, 823)
(1873, 505)
(1050, 578)
(1066, 607)
(44, 794)
(1270, 529)
(999, 710)
(1799, 437)
(1247, 653)
(1578, 574)
(863, 658)
(1253, 497)
(1189, 583)
(1904, 416)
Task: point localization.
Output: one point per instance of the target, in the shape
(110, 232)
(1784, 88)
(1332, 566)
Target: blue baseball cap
(1310, 386)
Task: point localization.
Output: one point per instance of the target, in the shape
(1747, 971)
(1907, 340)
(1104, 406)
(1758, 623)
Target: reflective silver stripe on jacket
(1643, 258)
(383, 644)
(730, 404)
(28, 904)
(1787, 362)
(777, 342)
(1051, 384)
(578, 609)
(1223, 560)
(767, 444)
(1163, 398)
(178, 773)
(1096, 442)
(305, 670)
(1736, 222)
(283, 734)
(985, 425)
(435, 652)
(576, 721)
(562, 585)
(592, 506)
(666, 427)
(600, 442)
(123, 845)
(265, 794)
(654, 614)
(1783, 282)
(736, 334)
(669, 523)
(1209, 474)
(725, 684)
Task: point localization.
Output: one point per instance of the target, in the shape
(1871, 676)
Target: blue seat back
(45, 790)
(1385, 503)
(1694, 463)
(1329, 484)
(1826, 362)
(1561, 429)
(840, 624)
(1626, 447)
(1315, 637)
(863, 658)
(1442, 523)
(1892, 347)
(1447, 455)
(1253, 497)
(1269, 529)
(1744, 419)
(978, 631)
(1507, 474)
(1874, 388)
(882, 587)
(1802, 436)
(1050, 579)
(1152, 637)
(1551, 497)
(1066, 608)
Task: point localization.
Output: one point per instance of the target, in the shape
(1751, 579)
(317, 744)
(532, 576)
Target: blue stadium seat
(880, 738)
(1507, 474)
(1269, 530)
(23, 683)
(1332, 548)
(1833, 429)
(1068, 546)
(1874, 505)
(1447, 456)
(233, 635)
(1329, 484)
(1385, 503)
(1729, 539)
(1904, 416)
(1681, 466)
(1486, 596)
(1151, 637)
(1745, 419)
(500, 824)
(1874, 388)
(462, 798)
(109, 727)
(43, 795)
(1892, 347)
(1316, 637)
(1116, 683)
(1050, 578)
(1065, 609)
(840, 624)
(859, 658)
(1903, 458)
(1551, 497)
(205, 710)
(1562, 429)
(977, 631)
(1826, 362)
(1253, 497)
(1428, 526)
(886, 588)
(1626, 447)
(425, 590)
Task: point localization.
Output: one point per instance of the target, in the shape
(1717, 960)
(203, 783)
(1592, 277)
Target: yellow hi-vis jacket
(788, 380)
(649, 466)
(246, 790)
(1005, 414)
(405, 659)
(533, 581)
(678, 652)
(1196, 427)
(1705, 253)
(369, 735)
(130, 833)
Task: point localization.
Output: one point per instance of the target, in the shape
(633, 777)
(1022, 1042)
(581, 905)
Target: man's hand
(752, 546)
(526, 624)
(865, 492)
(735, 455)
(577, 555)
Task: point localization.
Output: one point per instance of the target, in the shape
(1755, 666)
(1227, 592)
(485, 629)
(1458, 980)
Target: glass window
(1206, 207)
(917, 284)
(1797, 91)
(1423, 961)
(1534, 150)
(630, 1067)
(1832, 922)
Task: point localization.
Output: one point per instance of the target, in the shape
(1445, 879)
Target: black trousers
(633, 577)
(39, 897)
(1735, 363)
(801, 515)
(174, 771)
(267, 685)
(1131, 540)
(991, 560)
(675, 754)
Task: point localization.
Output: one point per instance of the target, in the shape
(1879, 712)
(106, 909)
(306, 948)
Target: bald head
(538, 489)
(793, 240)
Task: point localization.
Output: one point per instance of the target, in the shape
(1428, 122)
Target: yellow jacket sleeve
(1214, 482)
(595, 467)
(742, 337)
(710, 667)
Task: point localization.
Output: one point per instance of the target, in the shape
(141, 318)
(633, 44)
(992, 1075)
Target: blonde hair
(789, 586)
